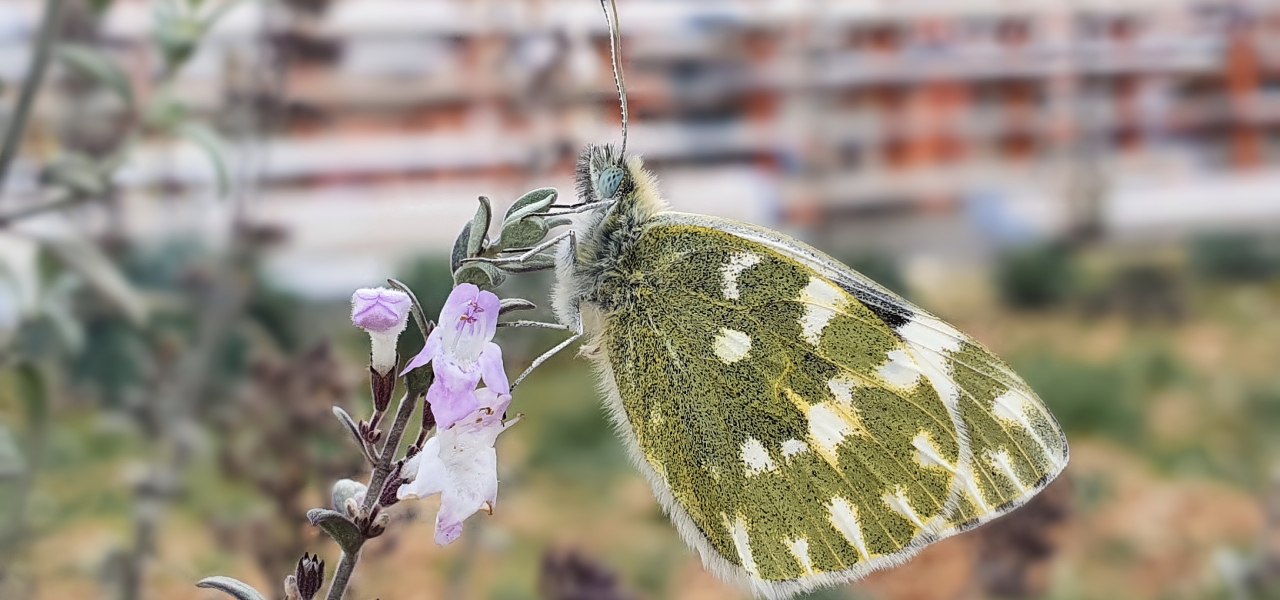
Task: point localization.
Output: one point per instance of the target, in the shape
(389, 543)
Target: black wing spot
(894, 314)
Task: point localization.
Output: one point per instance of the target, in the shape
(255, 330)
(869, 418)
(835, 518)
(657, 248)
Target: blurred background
(1090, 188)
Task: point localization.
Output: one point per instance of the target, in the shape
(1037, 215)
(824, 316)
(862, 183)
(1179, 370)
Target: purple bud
(383, 313)
(380, 310)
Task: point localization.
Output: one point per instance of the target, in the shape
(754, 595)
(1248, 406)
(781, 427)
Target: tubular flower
(462, 354)
(383, 313)
(461, 465)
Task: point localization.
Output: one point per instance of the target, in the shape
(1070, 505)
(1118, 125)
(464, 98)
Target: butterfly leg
(575, 319)
(568, 235)
(547, 355)
(581, 207)
(541, 324)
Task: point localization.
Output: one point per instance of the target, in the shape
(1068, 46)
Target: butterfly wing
(801, 424)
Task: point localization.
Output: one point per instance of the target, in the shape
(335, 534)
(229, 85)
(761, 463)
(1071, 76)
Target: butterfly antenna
(615, 44)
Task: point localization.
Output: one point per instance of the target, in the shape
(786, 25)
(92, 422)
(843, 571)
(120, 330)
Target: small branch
(48, 35)
(381, 470)
(57, 203)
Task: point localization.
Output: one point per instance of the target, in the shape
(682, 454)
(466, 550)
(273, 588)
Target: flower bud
(309, 576)
(383, 313)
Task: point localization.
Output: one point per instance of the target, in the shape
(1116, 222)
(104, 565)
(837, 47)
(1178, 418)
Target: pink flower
(462, 354)
(383, 313)
(460, 464)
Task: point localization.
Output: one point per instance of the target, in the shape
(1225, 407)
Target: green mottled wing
(802, 425)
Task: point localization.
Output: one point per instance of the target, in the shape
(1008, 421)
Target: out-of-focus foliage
(1037, 276)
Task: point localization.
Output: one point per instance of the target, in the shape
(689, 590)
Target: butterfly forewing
(803, 425)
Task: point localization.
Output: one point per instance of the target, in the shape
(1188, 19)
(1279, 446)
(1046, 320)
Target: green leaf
(418, 380)
(78, 174)
(460, 247)
(34, 392)
(232, 587)
(514, 304)
(561, 221)
(97, 66)
(338, 527)
(523, 233)
(90, 263)
(11, 462)
(419, 315)
(482, 274)
(537, 262)
(350, 424)
(479, 227)
(532, 202)
(204, 136)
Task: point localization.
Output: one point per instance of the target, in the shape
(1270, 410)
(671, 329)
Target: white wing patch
(742, 543)
(928, 332)
(731, 270)
(800, 549)
(732, 345)
(927, 453)
(793, 447)
(821, 302)
(900, 370)
(1011, 407)
(842, 387)
(1001, 461)
(898, 502)
(844, 517)
(756, 458)
(827, 428)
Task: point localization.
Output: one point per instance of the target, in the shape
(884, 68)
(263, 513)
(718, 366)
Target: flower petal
(428, 353)
(427, 471)
(380, 310)
(452, 393)
(491, 370)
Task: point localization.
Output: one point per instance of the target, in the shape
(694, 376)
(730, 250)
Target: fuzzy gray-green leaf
(350, 424)
(523, 233)
(97, 66)
(460, 245)
(338, 527)
(532, 202)
(231, 586)
(514, 304)
(479, 227)
(419, 316)
(211, 143)
(482, 274)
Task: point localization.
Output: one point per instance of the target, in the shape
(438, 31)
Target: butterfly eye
(608, 181)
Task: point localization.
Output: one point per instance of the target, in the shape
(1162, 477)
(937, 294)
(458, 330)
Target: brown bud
(382, 386)
(308, 576)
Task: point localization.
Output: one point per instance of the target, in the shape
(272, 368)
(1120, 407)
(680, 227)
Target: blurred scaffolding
(943, 129)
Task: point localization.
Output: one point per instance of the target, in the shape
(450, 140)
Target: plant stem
(35, 76)
(342, 576)
(57, 203)
(381, 470)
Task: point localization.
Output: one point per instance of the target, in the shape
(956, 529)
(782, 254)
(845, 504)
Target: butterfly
(800, 424)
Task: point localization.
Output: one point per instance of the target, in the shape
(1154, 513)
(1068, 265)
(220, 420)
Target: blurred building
(932, 127)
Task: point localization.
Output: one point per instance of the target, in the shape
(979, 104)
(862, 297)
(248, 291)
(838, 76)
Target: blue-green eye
(608, 181)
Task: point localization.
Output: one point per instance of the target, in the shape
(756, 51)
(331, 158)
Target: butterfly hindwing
(802, 424)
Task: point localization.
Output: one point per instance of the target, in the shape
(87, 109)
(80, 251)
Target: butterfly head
(602, 174)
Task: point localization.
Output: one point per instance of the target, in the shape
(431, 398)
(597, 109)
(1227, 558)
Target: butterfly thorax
(599, 273)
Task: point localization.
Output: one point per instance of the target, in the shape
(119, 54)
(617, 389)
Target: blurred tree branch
(43, 51)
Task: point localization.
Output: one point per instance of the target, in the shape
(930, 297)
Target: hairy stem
(381, 470)
(342, 576)
(45, 40)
